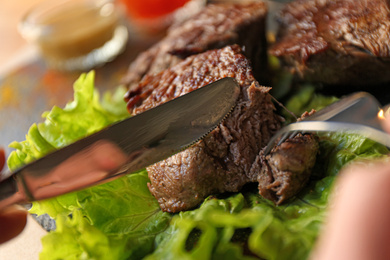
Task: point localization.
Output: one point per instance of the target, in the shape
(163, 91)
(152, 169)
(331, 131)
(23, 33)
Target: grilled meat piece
(222, 161)
(286, 170)
(216, 26)
(336, 41)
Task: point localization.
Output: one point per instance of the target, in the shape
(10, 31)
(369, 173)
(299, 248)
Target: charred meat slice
(336, 41)
(286, 170)
(216, 26)
(220, 162)
(223, 160)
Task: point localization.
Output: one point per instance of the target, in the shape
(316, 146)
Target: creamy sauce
(75, 30)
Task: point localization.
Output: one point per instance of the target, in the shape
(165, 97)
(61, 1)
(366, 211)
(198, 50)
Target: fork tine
(269, 146)
(293, 134)
(350, 112)
(283, 138)
(276, 140)
(279, 138)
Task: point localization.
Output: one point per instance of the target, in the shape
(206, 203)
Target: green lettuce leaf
(116, 220)
(81, 117)
(306, 100)
(84, 115)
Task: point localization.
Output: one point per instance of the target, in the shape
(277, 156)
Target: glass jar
(76, 34)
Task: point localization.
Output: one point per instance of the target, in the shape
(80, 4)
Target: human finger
(12, 219)
(386, 122)
(2, 158)
(358, 225)
(12, 222)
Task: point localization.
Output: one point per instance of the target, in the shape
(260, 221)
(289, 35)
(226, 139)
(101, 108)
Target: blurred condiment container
(153, 16)
(76, 34)
(149, 9)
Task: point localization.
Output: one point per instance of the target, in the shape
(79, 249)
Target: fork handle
(372, 133)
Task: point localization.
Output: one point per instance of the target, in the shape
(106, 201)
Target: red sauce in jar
(150, 9)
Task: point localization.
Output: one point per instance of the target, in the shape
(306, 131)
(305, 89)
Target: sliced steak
(286, 169)
(336, 41)
(216, 26)
(222, 161)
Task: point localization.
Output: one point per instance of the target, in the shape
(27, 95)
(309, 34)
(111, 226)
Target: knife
(124, 147)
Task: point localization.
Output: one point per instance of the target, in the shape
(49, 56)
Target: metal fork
(357, 113)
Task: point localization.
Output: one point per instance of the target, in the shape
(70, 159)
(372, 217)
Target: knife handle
(10, 192)
(46, 178)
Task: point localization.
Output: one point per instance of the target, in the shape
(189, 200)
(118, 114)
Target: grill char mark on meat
(336, 42)
(216, 26)
(223, 160)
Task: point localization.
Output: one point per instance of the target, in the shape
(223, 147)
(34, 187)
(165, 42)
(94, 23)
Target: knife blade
(124, 147)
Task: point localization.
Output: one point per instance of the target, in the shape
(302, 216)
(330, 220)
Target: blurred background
(11, 12)
(13, 47)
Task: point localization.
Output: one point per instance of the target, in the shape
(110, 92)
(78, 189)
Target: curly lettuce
(246, 226)
(122, 220)
(116, 220)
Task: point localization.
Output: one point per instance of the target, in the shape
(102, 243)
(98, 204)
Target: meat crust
(216, 26)
(336, 42)
(222, 160)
